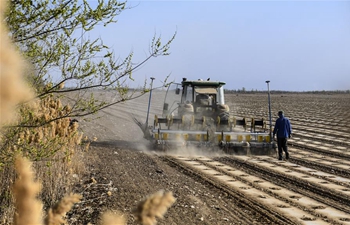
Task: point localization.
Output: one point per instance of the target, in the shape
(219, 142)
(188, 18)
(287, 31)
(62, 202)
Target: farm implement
(195, 115)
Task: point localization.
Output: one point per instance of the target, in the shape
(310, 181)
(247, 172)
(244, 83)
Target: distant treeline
(243, 90)
(234, 91)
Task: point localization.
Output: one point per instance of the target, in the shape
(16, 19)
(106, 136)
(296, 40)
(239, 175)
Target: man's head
(280, 113)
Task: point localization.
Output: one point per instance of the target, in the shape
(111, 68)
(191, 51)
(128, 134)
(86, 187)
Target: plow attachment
(239, 143)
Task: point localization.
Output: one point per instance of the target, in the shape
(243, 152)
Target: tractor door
(172, 99)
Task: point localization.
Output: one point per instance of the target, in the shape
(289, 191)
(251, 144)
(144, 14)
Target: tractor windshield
(216, 94)
(187, 96)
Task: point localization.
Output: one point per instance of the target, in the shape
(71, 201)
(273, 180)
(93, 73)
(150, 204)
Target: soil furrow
(267, 215)
(314, 191)
(306, 204)
(321, 167)
(327, 152)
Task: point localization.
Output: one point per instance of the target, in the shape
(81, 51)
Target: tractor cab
(200, 98)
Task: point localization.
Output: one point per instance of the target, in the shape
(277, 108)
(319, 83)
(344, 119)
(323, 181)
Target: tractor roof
(203, 83)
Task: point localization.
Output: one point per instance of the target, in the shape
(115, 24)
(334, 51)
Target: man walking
(283, 129)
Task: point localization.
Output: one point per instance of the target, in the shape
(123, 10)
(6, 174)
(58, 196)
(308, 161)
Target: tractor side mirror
(165, 106)
(177, 91)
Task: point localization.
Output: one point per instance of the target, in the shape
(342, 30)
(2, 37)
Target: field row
(280, 187)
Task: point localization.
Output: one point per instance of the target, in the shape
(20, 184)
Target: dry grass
(28, 207)
(13, 88)
(56, 142)
(111, 218)
(153, 207)
(55, 149)
(14, 91)
(56, 214)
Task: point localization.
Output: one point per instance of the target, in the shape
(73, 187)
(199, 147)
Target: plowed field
(312, 187)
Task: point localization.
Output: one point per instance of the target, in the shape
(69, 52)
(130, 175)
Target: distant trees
(228, 91)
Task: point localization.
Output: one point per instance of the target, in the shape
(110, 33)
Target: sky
(297, 45)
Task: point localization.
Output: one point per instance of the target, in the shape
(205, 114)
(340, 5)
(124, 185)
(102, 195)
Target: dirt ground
(219, 189)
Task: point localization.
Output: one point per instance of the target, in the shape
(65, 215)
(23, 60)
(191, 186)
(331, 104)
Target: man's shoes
(279, 158)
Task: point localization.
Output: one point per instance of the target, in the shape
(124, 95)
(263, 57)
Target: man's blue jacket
(282, 127)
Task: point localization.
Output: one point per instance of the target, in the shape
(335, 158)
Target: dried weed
(28, 207)
(13, 88)
(55, 215)
(153, 207)
(111, 218)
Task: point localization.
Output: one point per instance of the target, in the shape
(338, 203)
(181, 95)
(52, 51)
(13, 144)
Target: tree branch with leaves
(52, 34)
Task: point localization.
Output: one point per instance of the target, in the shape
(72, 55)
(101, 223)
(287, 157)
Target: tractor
(195, 115)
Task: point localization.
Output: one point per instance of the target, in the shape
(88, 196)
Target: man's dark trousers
(282, 145)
